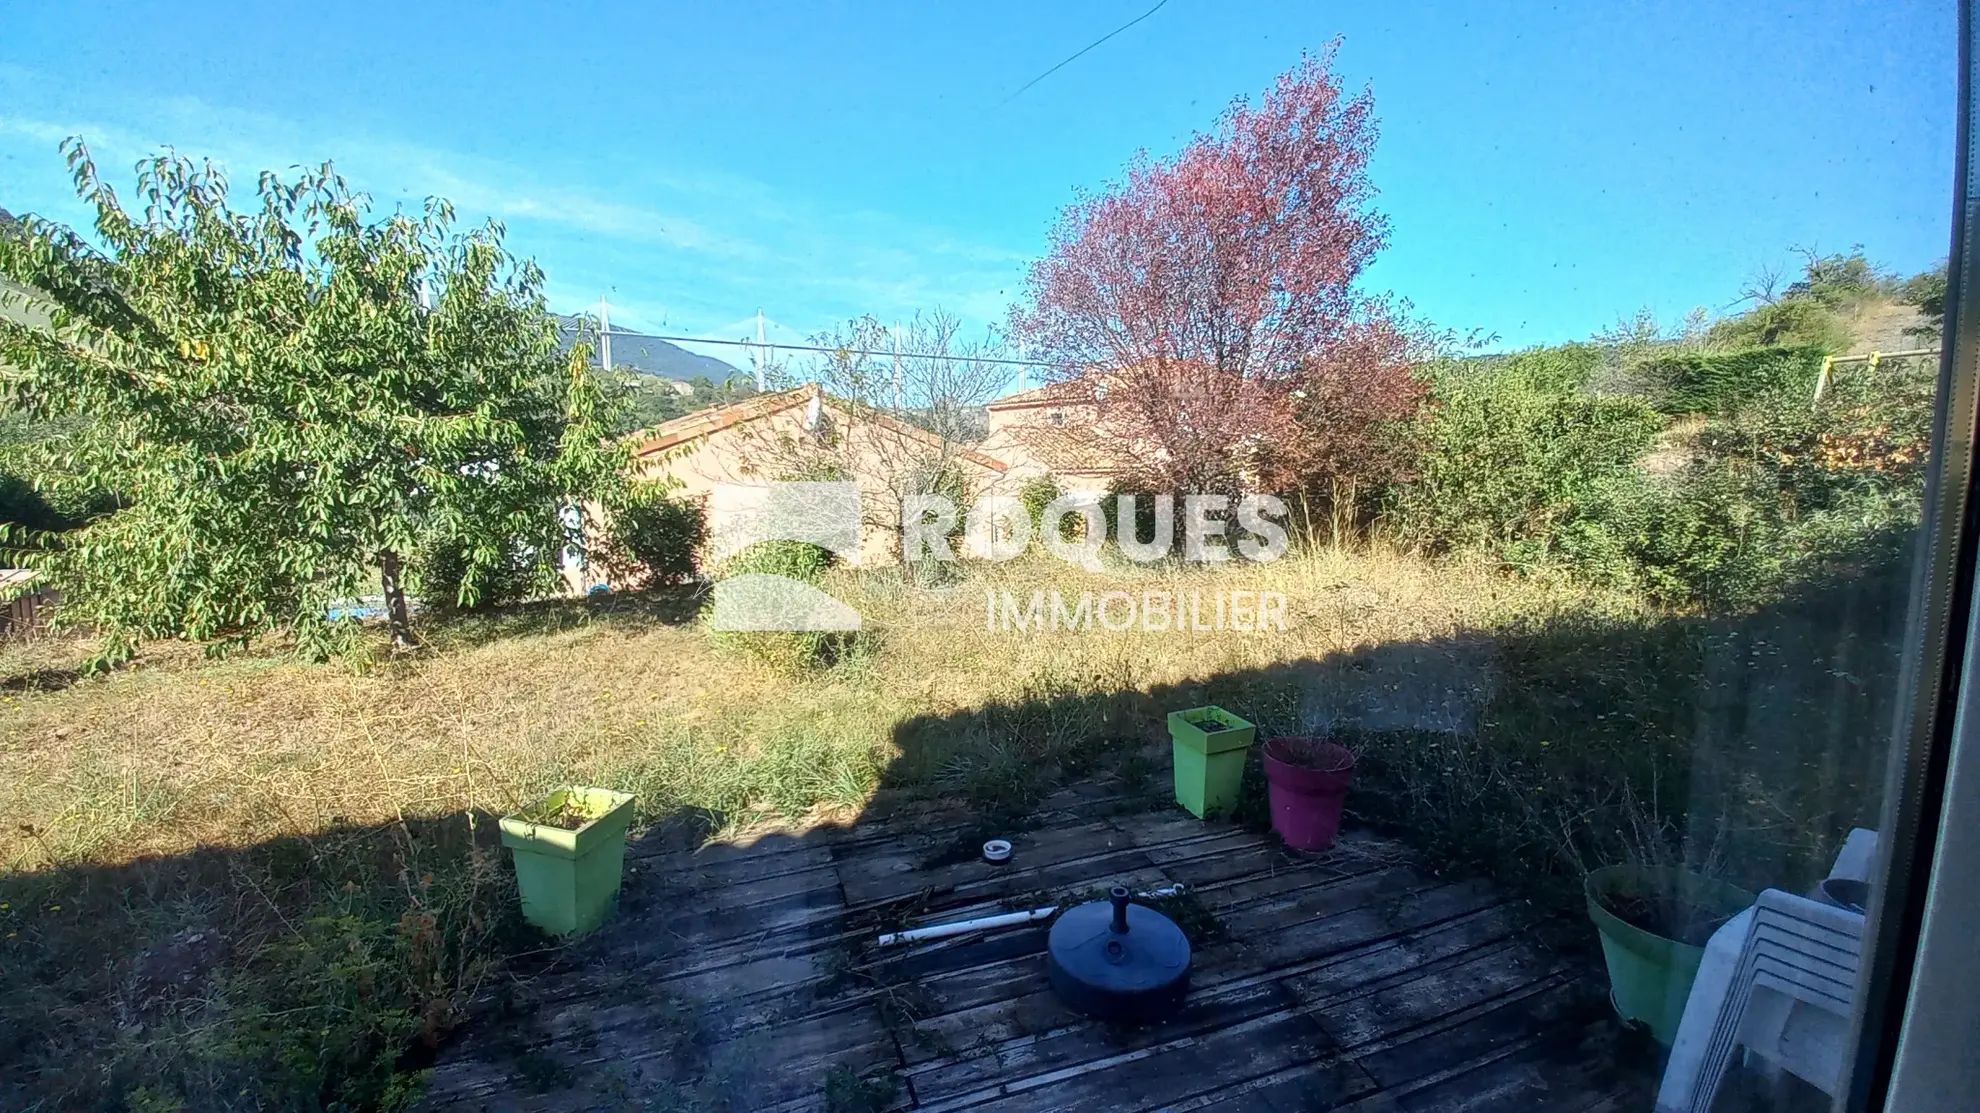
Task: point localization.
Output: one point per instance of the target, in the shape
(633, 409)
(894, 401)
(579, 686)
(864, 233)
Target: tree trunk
(1334, 510)
(1347, 496)
(399, 619)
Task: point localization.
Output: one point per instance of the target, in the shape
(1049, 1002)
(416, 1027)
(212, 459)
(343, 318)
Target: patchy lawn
(254, 883)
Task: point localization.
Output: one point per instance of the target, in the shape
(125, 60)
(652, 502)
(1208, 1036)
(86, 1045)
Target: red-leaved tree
(1208, 300)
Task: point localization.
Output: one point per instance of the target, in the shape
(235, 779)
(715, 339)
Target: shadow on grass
(303, 973)
(466, 629)
(288, 974)
(40, 680)
(1745, 746)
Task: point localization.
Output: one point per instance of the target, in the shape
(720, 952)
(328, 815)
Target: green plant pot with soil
(570, 850)
(1655, 922)
(1210, 746)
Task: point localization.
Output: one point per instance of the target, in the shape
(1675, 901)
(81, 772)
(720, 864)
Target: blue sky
(1546, 169)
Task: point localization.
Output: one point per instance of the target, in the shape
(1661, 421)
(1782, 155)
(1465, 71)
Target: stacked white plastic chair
(1778, 979)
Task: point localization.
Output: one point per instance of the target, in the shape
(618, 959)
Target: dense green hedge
(1513, 458)
(1517, 459)
(1714, 382)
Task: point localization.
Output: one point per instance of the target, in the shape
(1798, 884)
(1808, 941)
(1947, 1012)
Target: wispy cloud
(690, 249)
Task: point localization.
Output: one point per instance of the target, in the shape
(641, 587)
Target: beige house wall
(1074, 411)
(765, 440)
(766, 449)
(1025, 467)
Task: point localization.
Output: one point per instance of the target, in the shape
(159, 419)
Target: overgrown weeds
(1755, 488)
(305, 973)
(312, 849)
(1743, 747)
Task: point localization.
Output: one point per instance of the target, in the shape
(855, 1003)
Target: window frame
(1918, 989)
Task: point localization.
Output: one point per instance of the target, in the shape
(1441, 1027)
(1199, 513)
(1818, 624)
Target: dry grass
(309, 848)
(180, 751)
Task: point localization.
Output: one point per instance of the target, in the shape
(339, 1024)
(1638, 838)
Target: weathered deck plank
(747, 976)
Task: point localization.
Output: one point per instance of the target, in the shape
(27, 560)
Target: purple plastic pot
(1307, 794)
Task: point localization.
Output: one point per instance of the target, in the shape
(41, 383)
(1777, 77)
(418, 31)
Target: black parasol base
(1117, 960)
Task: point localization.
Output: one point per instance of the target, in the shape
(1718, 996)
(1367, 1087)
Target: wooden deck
(746, 977)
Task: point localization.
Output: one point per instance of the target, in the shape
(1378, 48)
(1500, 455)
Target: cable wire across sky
(824, 349)
(1075, 57)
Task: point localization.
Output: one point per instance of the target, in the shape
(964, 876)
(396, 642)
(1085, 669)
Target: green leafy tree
(1812, 310)
(649, 400)
(286, 399)
(1926, 291)
(1839, 281)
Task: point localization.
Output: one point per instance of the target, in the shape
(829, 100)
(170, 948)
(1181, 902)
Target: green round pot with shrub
(1654, 922)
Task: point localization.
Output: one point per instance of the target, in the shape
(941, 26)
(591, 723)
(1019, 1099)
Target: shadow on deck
(747, 977)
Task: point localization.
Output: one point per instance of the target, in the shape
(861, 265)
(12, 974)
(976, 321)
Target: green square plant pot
(569, 879)
(1210, 745)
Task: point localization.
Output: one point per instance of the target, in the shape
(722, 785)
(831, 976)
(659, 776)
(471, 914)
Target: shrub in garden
(1515, 460)
(1518, 459)
(654, 537)
(791, 651)
(1036, 495)
(797, 560)
(937, 477)
(1143, 525)
(1783, 488)
(445, 574)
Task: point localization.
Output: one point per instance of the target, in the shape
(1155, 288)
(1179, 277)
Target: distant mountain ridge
(656, 357)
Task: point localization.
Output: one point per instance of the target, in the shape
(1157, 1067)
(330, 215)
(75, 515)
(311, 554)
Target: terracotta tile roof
(701, 423)
(1064, 449)
(694, 426)
(1071, 390)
